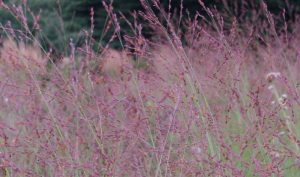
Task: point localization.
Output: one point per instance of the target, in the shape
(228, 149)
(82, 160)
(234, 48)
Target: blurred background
(62, 20)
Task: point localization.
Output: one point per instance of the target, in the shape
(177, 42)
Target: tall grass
(215, 97)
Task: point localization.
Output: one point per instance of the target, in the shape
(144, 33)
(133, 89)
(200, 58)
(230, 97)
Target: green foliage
(62, 20)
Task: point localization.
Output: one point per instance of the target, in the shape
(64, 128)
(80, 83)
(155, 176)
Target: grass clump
(225, 102)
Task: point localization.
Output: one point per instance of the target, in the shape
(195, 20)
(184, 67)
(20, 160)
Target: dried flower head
(272, 75)
(283, 99)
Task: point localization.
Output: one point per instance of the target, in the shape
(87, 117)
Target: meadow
(216, 97)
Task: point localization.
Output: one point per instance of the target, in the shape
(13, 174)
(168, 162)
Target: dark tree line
(62, 20)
